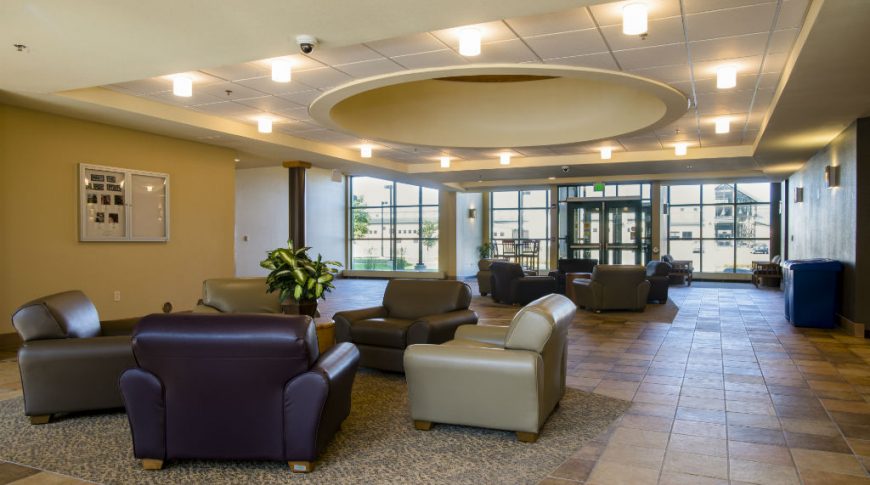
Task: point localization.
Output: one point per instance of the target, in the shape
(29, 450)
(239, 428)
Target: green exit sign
(598, 187)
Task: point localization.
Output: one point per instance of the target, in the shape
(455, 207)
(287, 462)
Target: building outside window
(721, 228)
(394, 226)
(522, 214)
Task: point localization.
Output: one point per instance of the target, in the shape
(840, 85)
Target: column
(296, 199)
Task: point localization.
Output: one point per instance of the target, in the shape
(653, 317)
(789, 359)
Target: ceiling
(112, 63)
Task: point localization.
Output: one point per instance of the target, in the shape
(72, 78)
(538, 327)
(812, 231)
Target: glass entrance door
(608, 231)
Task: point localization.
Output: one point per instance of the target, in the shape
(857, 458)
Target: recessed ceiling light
(634, 19)
(237, 160)
(365, 150)
(551, 178)
(182, 86)
(445, 162)
(723, 125)
(282, 71)
(504, 158)
(680, 149)
(264, 125)
(606, 153)
(726, 77)
(469, 42)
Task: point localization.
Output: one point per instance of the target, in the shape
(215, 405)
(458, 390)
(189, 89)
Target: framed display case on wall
(119, 204)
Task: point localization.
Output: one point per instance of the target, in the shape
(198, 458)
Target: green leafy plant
(297, 276)
(485, 250)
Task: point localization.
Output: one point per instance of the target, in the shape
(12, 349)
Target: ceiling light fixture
(182, 86)
(282, 71)
(723, 125)
(726, 77)
(264, 125)
(680, 149)
(504, 158)
(469, 42)
(365, 150)
(606, 153)
(551, 178)
(634, 19)
(445, 162)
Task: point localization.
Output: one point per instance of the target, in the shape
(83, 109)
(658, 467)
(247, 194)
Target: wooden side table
(325, 335)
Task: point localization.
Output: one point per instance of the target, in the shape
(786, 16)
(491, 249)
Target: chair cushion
(381, 332)
(412, 299)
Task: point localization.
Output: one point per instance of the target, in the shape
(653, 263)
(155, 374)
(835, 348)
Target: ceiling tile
(409, 44)
(298, 114)
(640, 143)
(227, 108)
(431, 59)
(567, 44)
(723, 140)
(506, 51)
(661, 32)
(792, 14)
(369, 68)
(611, 13)
(725, 48)
(551, 23)
(345, 55)
(698, 6)
(489, 32)
(730, 22)
(708, 124)
(745, 66)
(295, 127)
(782, 41)
(725, 102)
(303, 98)
(775, 62)
(269, 103)
(664, 55)
(601, 60)
(322, 78)
(267, 85)
(237, 91)
(665, 74)
(146, 86)
(198, 98)
(239, 71)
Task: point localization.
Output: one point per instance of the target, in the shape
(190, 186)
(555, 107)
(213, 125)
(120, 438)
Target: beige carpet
(377, 444)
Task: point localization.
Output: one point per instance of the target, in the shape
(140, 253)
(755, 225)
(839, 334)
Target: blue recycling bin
(812, 292)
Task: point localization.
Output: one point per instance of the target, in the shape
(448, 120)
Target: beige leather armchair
(508, 378)
(237, 295)
(613, 287)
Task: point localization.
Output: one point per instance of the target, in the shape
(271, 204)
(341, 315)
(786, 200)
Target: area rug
(377, 445)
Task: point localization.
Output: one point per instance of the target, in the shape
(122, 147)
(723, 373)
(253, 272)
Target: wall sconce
(472, 213)
(798, 195)
(832, 176)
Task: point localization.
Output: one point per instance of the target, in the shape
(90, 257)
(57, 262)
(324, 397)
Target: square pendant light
(726, 77)
(445, 162)
(281, 71)
(365, 150)
(681, 149)
(264, 125)
(634, 19)
(606, 153)
(469, 42)
(182, 86)
(723, 125)
(504, 158)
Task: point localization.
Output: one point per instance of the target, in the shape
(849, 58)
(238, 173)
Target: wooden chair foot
(40, 419)
(301, 466)
(149, 464)
(527, 437)
(423, 425)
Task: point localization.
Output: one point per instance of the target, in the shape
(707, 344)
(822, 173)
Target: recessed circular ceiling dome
(499, 105)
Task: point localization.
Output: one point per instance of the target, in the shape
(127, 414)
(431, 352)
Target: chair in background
(767, 274)
(658, 275)
(244, 387)
(566, 267)
(484, 276)
(613, 287)
(70, 360)
(681, 270)
(237, 295)
(413, 312)
(510, 285)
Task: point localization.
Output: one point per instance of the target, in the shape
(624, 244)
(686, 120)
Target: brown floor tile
(10, 472)
(817, 477)
(756, 435)
(824, 427)
(776, 455)
(762, 473)
(574, 469)
(825, 461)
(835, 444)
(696, 464)
(610, 473)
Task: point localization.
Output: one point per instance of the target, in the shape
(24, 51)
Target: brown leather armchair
(237, 295)
(613, 287)
(70, 360)
(413, 312)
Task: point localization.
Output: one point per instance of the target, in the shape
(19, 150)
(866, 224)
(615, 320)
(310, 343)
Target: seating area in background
(248, 387)
(510, 285)
(681, 270)
(766, 273)
(567, 270)
(412, 312)
(525, 252)
(508, 378)
(613, 287)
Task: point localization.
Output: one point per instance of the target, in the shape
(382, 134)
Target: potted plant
(300, 280)
(485, 250)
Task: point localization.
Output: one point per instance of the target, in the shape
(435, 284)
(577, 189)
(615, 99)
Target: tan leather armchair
(613, 287)
(237, 295)
(508, 378)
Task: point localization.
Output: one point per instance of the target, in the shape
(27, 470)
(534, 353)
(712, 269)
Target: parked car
(760, 249)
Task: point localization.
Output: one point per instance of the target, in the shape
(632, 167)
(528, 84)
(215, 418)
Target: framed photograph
(133, 204)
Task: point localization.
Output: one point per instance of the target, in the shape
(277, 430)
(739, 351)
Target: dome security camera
(306, 43)
(565, 168)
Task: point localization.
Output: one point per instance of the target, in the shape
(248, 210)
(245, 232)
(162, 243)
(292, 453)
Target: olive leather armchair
(237, 295)
(413, 312)
(508, 378)
(70, 361)
(613, 287)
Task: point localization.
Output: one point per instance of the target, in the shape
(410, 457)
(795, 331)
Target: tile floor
(724, 391)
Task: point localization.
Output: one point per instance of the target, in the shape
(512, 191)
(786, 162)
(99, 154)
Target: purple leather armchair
(235, 386)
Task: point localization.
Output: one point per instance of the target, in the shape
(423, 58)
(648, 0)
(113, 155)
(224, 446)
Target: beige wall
(325, 215)
(469, 233)
(39, 248)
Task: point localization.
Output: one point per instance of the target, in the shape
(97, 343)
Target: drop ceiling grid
(718, 30)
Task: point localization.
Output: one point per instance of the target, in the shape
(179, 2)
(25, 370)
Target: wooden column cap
(296, 164)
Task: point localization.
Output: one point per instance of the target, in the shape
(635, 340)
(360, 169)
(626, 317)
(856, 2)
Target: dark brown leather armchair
(511, 286)
(565, 266)
(70, 360)
(235, 386)
(413, 312)
(657, 273)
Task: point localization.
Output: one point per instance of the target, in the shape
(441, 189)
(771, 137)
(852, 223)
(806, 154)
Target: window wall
(522, 214)
(394, 226)
(721, 228)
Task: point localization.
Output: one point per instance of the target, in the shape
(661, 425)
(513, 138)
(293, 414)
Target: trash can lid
(820, 264)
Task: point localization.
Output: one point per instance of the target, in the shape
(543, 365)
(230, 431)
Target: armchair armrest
(146, 411)
(487, 334)
(439, 328)
(642, 293)
(203, 308)
(124, 326)
(343, 320)
(338, 366)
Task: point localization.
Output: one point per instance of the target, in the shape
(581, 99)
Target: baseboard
(361, 273)
(9, 341)
(852, 328)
